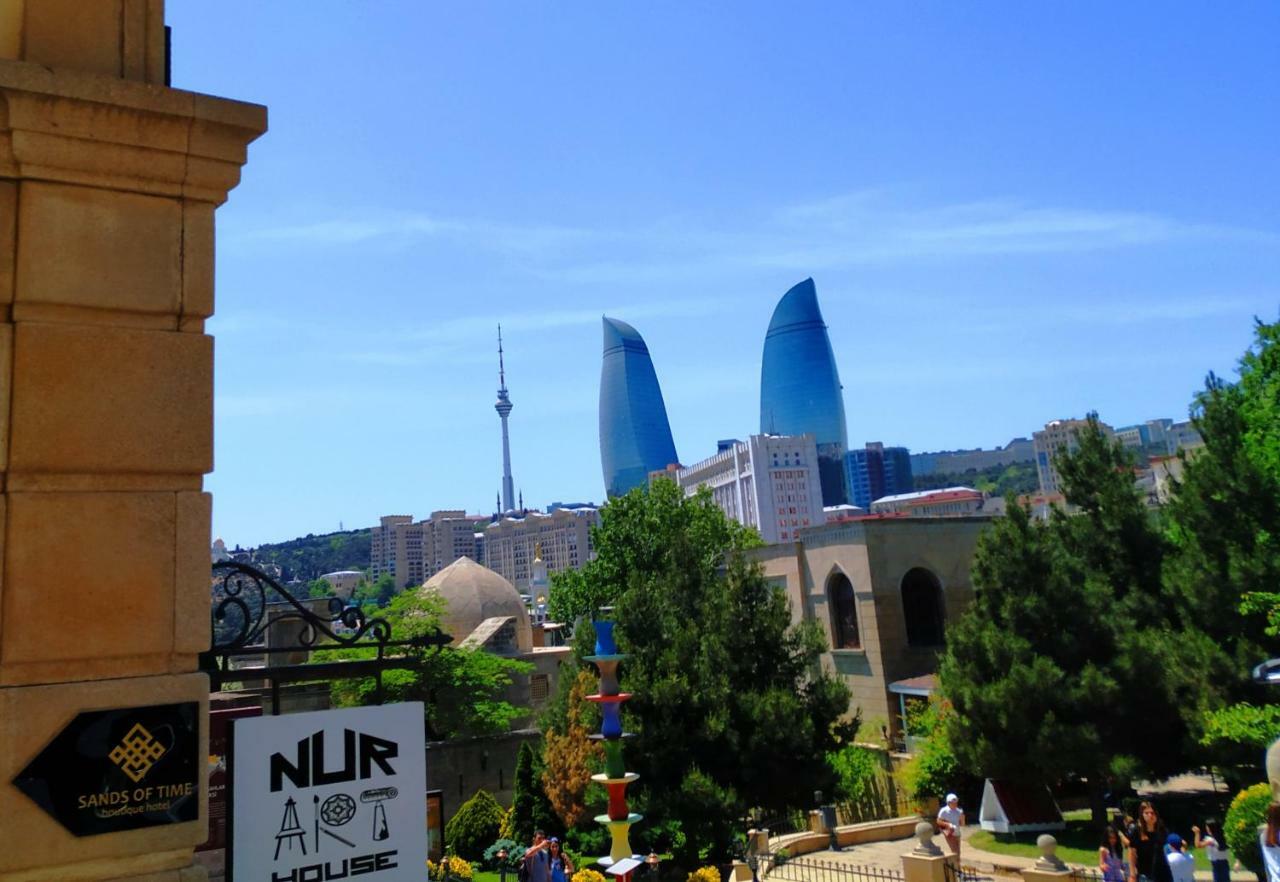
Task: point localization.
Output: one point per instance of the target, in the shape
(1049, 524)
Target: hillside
(1015, 478)
(308, 557)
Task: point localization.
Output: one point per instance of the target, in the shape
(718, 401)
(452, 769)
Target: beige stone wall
(875, 555)
(108, 184)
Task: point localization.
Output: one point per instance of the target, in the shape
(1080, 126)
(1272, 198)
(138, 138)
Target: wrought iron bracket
(248, 606)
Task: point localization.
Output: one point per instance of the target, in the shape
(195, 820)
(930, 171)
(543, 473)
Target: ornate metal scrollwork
(252, 614)
(243, 613)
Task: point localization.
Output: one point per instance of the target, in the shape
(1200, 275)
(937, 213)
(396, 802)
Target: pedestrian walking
(1147, 839)
(950, 820)
(1215, 848)
(1182, 867)
(1111, 857)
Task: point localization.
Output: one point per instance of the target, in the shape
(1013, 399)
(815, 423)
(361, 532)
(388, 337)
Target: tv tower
(503, 407)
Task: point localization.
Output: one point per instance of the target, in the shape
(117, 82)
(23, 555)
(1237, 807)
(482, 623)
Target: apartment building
(770, 482)
(563, 535)
(413, 552)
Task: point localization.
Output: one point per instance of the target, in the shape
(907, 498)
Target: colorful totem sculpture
(609, 697)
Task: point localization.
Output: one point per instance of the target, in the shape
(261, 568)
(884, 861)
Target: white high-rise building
(769, 482)
(1056, 435)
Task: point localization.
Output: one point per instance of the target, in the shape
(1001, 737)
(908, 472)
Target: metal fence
(961, 873)
(808, 870)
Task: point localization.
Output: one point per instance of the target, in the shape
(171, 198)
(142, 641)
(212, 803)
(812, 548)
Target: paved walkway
(888, 856)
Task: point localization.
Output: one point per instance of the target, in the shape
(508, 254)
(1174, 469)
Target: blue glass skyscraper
(800, 389)
(635, 437)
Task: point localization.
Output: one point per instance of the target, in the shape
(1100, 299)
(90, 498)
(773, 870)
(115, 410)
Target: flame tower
(503, 407)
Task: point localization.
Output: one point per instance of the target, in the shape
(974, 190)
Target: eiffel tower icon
(290, 829)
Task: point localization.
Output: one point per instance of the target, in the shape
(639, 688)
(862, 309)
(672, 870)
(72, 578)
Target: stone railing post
(926, 862)
(108, 185)
(1048, 867)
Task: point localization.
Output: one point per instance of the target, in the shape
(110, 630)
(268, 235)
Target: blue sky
(1013, 212)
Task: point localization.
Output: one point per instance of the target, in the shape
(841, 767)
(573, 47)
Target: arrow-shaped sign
(122, 769)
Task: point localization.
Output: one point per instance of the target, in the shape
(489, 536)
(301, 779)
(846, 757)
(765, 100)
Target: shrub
(474, 827)
(451, 869)
(781, 856)
(587, 876)
(1248, 811)
(704, 874)
(515, 852)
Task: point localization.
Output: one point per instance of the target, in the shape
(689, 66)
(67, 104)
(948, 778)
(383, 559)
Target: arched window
(922, 607)
(844, 613)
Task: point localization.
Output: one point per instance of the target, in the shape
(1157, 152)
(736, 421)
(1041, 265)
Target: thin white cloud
(849, 230)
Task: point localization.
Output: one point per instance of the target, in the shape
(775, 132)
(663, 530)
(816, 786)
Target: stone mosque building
(484, 611)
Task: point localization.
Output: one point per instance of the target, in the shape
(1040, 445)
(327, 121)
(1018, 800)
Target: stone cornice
(121, 135)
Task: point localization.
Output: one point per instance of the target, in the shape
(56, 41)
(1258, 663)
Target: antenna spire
(504, 407)
(502, 370)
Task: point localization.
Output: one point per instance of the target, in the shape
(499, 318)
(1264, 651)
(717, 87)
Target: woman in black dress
(1146, 847)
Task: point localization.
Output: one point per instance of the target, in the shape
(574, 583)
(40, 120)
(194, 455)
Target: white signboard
(335, 794)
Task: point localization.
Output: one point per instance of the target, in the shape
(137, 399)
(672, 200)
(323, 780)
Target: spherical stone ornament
(1049, 859)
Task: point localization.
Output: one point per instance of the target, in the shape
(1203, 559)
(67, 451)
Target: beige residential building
(1057, 435)
(564, 536)
(413, 552)
(884, 591)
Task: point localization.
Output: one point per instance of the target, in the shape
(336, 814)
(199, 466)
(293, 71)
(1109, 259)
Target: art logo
(322, 796)
(137, 752)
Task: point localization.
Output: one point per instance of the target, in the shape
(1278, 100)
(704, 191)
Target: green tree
(376, 594)
(463, 688)
(530, 809)
(1224, 516)
(635, 534)
(319, 588)
(1238, 735)
(1072, 654)
(732, 713)
(1223, 527)
(474, 827)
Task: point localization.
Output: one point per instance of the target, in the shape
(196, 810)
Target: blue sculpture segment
(635, 437)
(800, 388)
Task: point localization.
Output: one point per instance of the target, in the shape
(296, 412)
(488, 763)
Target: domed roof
(473, 593)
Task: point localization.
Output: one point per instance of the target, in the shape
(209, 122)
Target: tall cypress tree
(1070, 661)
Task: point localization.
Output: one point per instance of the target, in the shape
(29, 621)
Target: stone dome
(473, 593)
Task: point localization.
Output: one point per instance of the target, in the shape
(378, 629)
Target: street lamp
(1267, 673)
(652, 863)
(502, 865)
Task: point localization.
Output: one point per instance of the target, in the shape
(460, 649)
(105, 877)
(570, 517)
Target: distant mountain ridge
(309, 557)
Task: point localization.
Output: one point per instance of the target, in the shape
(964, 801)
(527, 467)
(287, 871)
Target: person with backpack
(536, 865)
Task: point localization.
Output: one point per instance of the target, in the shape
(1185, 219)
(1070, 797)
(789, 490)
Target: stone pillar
(108, 184)
(926, 862)
(1048, 867)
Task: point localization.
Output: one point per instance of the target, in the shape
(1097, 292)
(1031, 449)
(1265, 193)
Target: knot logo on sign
(137, 752)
